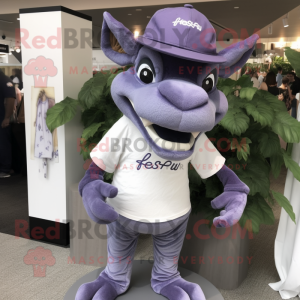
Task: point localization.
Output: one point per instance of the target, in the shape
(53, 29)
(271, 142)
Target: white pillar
(60, 65)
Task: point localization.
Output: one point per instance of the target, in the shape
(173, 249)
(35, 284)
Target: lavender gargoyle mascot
(169, 100)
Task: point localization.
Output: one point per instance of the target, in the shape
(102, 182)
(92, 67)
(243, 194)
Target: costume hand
(93, 195)
(234, 203)
(5, 123)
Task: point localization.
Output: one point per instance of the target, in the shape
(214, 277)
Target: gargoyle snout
(182, 94)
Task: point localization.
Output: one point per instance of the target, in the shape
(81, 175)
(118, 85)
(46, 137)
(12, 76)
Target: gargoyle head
(170, 94)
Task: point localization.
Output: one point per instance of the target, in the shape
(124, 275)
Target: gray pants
(123, 235)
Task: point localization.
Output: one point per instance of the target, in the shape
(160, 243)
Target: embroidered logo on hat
(161, 34)
(187, 23)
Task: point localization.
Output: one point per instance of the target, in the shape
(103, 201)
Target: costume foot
(182, 290)
(98, 289)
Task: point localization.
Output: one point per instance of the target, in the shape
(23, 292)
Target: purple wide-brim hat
(182, 32)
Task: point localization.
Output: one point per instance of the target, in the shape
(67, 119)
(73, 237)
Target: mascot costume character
(169, 100)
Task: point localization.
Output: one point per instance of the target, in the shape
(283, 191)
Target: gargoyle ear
(237, 55)
(118, 42)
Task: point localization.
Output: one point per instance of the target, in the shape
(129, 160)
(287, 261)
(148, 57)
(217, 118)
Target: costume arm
(93, 173)
(233, 200)
(231, 182)
(94, 191)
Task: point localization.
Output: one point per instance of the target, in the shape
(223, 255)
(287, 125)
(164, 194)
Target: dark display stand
(140, 283)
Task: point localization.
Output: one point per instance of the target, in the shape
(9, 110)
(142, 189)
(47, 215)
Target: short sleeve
(106, 155)
(8, 90)
(16, 80)
(206, 159)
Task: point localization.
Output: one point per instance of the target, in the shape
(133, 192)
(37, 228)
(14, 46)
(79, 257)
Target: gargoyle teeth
(195, 134)
(146, 122)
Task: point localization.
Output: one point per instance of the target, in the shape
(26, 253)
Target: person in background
(285, 98)
(7, 96)
(261, 78)
(19, 164)
(293, 91)
(17, 80)
(254, 79)
(284, 93)
(297, 79)
(270, 84)
(279, 76)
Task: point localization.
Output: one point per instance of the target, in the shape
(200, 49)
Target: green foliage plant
(247, 137)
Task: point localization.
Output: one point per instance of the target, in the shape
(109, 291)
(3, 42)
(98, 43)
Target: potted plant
(247, 137)
(277, 61)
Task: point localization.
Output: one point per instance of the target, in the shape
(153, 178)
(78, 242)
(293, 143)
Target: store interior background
(237, 14)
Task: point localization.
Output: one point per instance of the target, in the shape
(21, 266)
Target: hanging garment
(43, 167)
(43, 145)
(287, 243)
(55, 146)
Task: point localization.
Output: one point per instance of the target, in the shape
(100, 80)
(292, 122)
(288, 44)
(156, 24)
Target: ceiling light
(136, 34)
(129, 14)
(18, 50)
(9, 53)
(138, 9)
(18, 19)
(148, 17)
(236, 7)
(285, 21)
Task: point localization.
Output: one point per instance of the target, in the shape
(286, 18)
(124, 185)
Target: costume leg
(115, 279)
(166, 279)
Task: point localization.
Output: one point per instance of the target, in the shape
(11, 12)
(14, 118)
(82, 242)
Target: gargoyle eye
(209, 82)
(146, 71)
